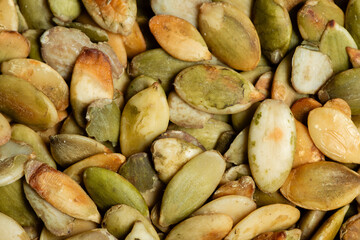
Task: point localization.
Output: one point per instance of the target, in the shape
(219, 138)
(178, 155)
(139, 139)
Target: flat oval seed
(8, 18)
(230, 35)
(120, 191)
(11, 229)
(179, 38)
(145, 116)
(42, 76)
(13, 45)
(271, 144)
(117, 16)
(352, 19)
(36, 13)
(200, 227)
(5, 130)
(215, 89)
(60, 191)
(98, 233)
(334, 134)
(321, 186)
(272, 217)
(21, 101)
(66, 11)
(191, 186)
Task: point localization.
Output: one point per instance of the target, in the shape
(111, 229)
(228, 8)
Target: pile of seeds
(179, 120)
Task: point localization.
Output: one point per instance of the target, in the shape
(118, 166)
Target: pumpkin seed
(9, 18)
(229, 94)
(237, 152)
(15, 205)
(230, 35)
(271, 144)
(42, 76)
(36, 13)
(235, 173)
(339, 104)
(305, 77)
(268, 218)
(235, 206)
(11, 229)
(138, 84)
(116, 16)
(202, 226)
(70, 126)
(99, 233)
(190, 187)
(245, 6)
(313, 17)
(179, 38)
(13, 45)
(68, 149)
(302, 107)
(334, 134)
(103, 116)
(244, 186)
(343, 85)
(309, 222)
(134, 43)
(188, 9)
(333, 43)
(119, 220)
(121, 191)
(273, 24)
(351, 228)
(145, 116)
(25, 104)
(281, 87)
(66, 11)
(12, 169)
(64, 193)
(138, 170)
(354, 55)
(331, 226)
(139, 232)
(57, 222)
(352, 19)
(111, 161)
(183, 136)
(33, 36)
(325, 186)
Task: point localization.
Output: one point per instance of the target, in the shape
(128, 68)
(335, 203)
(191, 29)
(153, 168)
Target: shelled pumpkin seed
(135, 130)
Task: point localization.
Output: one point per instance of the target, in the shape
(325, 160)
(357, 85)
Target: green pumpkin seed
(343, 85)
(68, 149)
(230, 35)
(333, 43)
(139, 231)
(352, 19)
(138, 170)
(313, 17)
(24, 103)
(99, 234)
(215, 89)
(66, 11)
(119, 220)
(103, 116)
(121, 191)
(15, 205)
(145, 116)
(36, 13)
(70, 126)
(273, 24)
(321, 186)
(159, 65)
(42, 76)
(137, 84)
(271, 144)
(191, 186)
